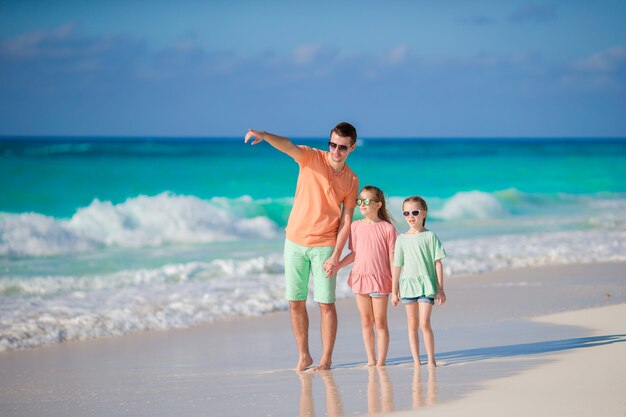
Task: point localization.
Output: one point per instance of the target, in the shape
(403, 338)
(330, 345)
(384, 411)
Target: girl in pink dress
(372, 242)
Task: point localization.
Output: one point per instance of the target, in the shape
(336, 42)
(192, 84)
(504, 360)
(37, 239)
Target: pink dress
(372, 244)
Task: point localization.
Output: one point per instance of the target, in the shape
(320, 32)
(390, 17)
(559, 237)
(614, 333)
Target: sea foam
(471, 204)
(138, 222)
(41, 310)
(153, 221)
(44, 310)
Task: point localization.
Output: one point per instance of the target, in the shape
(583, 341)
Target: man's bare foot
(381, 364)
(370, 364)
(432, 365)
(322, 367)
(304, 363)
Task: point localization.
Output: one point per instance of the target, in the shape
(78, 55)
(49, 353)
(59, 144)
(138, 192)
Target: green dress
(416, 254)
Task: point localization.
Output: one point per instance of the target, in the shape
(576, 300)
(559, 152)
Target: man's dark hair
(345, 129)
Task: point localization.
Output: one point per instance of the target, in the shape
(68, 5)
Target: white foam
(470, 256)
(167, 274)
(41, 310)
(49, 310)
(151, 221)
(471, 205)
(138, 222)
(33, 234)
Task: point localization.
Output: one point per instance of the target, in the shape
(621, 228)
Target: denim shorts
(420, 299)
(377, 295)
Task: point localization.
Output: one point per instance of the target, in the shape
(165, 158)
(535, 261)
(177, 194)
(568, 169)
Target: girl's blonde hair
(383, 213)
(420, 202)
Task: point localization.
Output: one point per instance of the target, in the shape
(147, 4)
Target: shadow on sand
(424, 384)
(508, 351)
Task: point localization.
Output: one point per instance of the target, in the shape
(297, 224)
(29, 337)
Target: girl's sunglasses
(413, 213)
(363, 201)
(333, 145)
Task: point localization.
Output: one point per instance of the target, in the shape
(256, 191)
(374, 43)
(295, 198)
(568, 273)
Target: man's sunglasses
(333, 145)
(414, 213)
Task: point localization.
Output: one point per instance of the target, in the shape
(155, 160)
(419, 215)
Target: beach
(545, 340)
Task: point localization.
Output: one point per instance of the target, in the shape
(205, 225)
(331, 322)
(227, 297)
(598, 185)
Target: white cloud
(66, 41)
(397, 55)
(604, 61)
(601, 71)
(306, 54)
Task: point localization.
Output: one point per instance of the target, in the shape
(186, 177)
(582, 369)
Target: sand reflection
(380, 392)
(423, 396)
(334, 406)
(378, 381)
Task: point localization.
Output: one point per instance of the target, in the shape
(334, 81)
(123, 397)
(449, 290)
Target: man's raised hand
(258, 136)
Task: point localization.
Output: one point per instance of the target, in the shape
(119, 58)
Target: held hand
(332, 271)
(331, 266)
(395, 299)
(257, 135)
(440, 296)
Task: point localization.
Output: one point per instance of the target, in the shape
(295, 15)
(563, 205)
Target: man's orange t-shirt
(316, 211)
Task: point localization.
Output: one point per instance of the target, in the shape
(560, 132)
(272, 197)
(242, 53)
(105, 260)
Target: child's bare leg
(425, 310)
(412, 316)
(364, 303)
(300, 325)
(379, 305)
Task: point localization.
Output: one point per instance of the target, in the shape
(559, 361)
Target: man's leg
(328, 315)
(297, 270)
(300, 326)
(324, 295)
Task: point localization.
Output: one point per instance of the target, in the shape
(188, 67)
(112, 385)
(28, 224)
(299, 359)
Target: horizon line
(200, 138)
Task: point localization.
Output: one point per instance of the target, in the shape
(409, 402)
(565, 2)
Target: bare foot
(417, 363)
(322, 367)
(381, 364)
(304, 363)
(432, 365)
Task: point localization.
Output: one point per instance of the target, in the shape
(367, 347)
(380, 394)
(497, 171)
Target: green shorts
(302, 261)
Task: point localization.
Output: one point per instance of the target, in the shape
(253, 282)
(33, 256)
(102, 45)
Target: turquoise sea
(105, 236)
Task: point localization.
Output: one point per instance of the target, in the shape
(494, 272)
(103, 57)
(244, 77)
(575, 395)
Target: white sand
(583, 381)
(498, 358)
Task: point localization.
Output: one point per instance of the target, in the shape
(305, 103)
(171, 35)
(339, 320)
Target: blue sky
(393, 68)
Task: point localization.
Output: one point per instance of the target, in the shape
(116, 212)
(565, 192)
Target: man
(317, 230)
